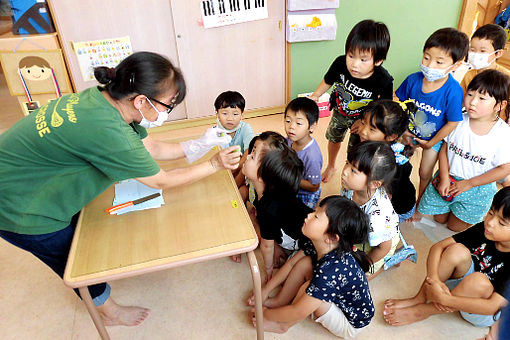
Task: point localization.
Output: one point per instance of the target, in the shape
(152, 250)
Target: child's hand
(435, 291)
(423, 143)
(444, 187)
(227, 159)
(355, 127)
(314, 97)
(459, 187)
(407, 138)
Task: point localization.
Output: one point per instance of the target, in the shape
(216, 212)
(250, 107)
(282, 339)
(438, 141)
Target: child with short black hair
(385, 121)
(467, 272)
(486, 46)
(357, 78)
(369, 169)
(328, 282)
(229, 106)
(438, 97)
(301, 116)
(474, 156)
(276, 174)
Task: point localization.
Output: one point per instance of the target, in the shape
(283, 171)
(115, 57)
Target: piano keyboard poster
(216, 13)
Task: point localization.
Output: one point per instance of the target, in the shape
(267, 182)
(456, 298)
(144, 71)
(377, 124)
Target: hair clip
(354, 249)
(403, 104)
(132, 81)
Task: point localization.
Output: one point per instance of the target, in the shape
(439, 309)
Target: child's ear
(499, 53)
(375, 184)
(312, 127)
(332, 238)
(378, 63)
(502, 106)
(391, 138)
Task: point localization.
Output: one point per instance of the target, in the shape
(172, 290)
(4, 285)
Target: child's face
(361, 63)
(369, 132)
(478, 45)
(497, 228)
(296, 126)
(437, 58)
(229, 117)
(353, 179)
(35, 73)
(481, 106)
(316, 224)
(252, 163)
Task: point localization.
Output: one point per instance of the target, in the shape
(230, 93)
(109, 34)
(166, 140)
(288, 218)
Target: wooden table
(199, 222)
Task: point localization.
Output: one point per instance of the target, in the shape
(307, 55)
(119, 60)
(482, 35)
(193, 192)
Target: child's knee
(457, 253)
(475, 285)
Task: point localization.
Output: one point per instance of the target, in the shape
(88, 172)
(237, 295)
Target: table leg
(94, 314)
(257, 291)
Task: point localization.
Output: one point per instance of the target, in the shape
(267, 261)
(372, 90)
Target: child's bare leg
(279, 257)
(428, 161)
(330, 170)
(455, 262)
(114, 314)
(443, 218)
(456, 224)
(300, 273)
(243, 190)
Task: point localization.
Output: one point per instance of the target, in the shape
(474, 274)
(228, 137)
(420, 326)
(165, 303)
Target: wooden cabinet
(247, 57)
(476, 13)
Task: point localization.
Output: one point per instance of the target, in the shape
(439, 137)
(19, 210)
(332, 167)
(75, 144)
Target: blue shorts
(470, 206)
(478, 320)
(436, 147)
(311, 198)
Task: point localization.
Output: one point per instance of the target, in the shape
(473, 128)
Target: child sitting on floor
(275, 174)
(301, 116)
(370, 167)
(330, 283)
(385, 121)
(474, 156)
(467, 272)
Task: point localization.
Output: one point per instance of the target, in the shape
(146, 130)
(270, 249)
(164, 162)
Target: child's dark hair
(495, 33)
(144, 73)
(231, 99)
(493, 83)
(374, 159)
(306, 106)
(451, 41)
(273, 139)
(371, 36)
(501, 201)
(280, 170)
(351, 224)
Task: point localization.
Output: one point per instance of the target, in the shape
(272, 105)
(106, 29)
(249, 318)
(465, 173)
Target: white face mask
(433, 74)
(480, 60)
(162, 117)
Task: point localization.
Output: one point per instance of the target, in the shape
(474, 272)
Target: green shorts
(338, 127)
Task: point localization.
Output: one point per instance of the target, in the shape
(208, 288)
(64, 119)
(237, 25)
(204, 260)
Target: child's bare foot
(405, 316)
(417, 216)
(236, 258)
(269, 325)
(328, 174)
(401, 303)
(114, 314)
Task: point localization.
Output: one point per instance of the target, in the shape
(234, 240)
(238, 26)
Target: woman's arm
(161, 151)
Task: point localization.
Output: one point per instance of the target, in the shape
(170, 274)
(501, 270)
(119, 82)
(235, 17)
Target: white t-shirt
(470, 155)
(383, 218)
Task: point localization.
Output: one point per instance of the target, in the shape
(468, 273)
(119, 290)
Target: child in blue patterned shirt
(330, 283)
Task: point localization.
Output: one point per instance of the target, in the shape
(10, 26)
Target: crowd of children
(327, 251)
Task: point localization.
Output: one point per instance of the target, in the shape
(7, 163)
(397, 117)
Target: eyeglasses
(170, 107)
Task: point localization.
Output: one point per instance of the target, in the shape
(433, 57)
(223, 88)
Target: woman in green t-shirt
(70, 150)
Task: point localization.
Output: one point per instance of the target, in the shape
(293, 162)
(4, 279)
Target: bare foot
(405, 316)
(236, 258)
(328, 174)
(115, 315)
(269, 325)
(401, 303)
(417, 216)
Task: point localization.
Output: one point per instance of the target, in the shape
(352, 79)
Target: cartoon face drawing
(36, 73)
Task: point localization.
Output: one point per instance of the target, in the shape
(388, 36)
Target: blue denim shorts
(478, 320)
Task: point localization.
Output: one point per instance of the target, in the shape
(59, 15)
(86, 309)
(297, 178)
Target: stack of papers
(130, 190)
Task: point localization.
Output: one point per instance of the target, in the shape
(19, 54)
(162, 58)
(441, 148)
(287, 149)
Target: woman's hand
(459, 187)
(227, 159)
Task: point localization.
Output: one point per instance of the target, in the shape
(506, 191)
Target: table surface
(201, 221)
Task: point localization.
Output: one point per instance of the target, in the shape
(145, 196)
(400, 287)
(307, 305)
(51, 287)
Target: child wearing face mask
(438, 97)
(486, 46)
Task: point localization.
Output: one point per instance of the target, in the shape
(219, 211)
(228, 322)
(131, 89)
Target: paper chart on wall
(106, 52)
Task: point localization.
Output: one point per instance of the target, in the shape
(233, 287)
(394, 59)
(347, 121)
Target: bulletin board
(36, 71)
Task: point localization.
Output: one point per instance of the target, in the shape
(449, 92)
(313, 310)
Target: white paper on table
(130, 190)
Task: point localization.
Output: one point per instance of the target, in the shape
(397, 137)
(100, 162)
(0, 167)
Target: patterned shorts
(470, 206)
(338, 127)
(311, 198)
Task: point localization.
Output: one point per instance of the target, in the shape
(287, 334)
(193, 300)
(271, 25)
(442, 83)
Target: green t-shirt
(63, 155)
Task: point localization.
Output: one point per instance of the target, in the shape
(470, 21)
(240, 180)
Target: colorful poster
(107, 52)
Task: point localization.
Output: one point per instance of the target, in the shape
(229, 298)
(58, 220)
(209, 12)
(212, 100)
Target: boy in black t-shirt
(467, 272)
(358, 78)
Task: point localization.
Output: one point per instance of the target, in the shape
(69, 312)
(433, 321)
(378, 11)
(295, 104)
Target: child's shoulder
(382, 74)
